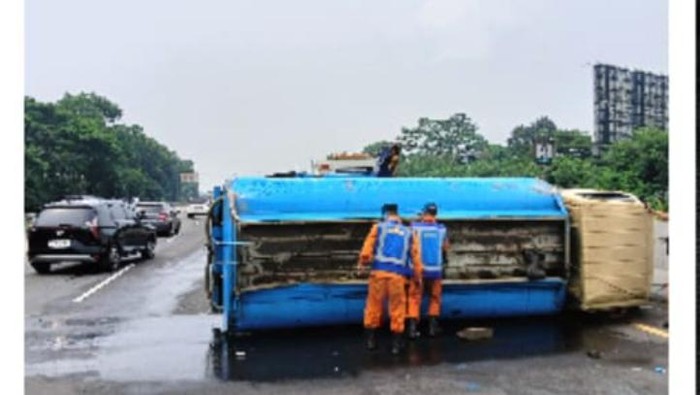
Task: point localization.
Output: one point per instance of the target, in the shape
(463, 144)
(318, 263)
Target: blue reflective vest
(392, 248)
(431, 237)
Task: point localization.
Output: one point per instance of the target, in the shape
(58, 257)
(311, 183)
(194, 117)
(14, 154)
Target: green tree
(506, 167)
(455, 137)
(523, 138)
(567, 172)
(430, 166)
(573, 143)
(36, 171)
(639, 165)
(90, 106)
(76, 146)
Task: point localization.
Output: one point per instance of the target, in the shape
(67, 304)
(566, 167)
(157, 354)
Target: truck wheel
(110, 261)
(190, 216)
(149, 252)
(41, 267)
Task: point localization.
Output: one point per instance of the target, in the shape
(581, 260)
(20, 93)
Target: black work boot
(371, 341)
(433, 327)
(396, 343)
(412, 328)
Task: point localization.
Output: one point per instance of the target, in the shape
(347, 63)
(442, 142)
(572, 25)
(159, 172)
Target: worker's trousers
(415, 297)
(382, 284)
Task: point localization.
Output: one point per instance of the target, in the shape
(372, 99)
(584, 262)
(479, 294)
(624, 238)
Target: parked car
(90, 230)
(161, 215)
(198, 207)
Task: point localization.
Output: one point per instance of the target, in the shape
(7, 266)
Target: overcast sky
(260, 86)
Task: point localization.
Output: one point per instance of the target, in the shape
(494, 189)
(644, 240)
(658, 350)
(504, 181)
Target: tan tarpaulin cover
(613, 249)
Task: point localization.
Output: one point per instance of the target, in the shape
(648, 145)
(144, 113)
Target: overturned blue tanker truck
(283, 251)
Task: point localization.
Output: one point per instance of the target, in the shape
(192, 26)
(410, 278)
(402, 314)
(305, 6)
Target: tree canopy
(76, 146)
(455, 138)
(453, 147)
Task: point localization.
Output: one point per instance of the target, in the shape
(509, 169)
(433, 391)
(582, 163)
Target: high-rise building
(625, 100)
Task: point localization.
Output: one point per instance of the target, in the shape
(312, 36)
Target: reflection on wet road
(339, 351)
(190, 347)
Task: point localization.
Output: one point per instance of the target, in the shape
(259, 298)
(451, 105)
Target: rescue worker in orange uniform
(432, 239)
(394, 257)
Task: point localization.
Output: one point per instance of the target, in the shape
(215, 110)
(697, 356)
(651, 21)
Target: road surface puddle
(189, 347)
(340, 352)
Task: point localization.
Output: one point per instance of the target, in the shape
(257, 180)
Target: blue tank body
(337, 304)
(263, 201)
(346, 198)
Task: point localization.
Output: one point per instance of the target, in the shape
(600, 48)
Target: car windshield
(200, 201)
(150, 208)
(65, 216)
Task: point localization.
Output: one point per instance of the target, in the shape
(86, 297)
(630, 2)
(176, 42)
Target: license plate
(59, 243)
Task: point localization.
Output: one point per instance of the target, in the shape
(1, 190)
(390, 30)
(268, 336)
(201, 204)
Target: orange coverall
(382, 283)
(434, 289)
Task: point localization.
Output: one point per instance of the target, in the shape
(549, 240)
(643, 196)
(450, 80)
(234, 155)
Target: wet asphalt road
(148, 330)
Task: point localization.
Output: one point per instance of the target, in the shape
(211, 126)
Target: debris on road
(660, 370)
(475, 333)
(595, 354)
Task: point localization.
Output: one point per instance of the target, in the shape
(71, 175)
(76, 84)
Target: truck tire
(41, 267)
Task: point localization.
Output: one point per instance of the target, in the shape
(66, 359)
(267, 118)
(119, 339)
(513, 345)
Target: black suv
(160, 215)
(89, 230)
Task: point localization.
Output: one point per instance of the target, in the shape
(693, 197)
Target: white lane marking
(103, 283)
